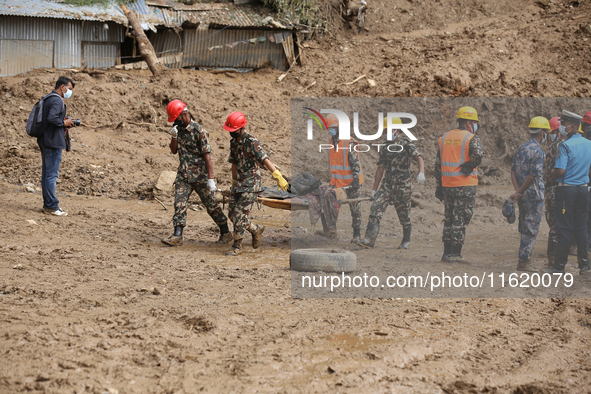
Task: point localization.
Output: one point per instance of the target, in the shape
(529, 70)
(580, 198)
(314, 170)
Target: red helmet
(174, 109)
(555, 122)
(587, 117)
(236, 120)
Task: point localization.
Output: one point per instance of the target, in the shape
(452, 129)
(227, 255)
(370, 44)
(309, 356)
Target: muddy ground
(94, 303)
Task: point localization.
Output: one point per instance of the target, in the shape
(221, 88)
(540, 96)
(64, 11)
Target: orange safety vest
(453, 150)
(340, 172)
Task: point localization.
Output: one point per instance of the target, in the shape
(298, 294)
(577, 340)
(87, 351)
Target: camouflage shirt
(475, 151)
(529, 160)
(248, 155)
(193, 143)
(550, 161)
(397, 164)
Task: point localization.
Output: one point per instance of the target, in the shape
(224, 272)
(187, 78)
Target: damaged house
(39, 33)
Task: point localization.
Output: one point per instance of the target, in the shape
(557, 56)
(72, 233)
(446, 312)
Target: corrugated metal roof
(203, 49)
(49, 9)
(232, 15)
(237, 16)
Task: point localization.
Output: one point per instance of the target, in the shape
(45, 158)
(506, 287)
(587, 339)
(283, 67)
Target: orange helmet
(174, 109)
(236, 120)
(332, 120)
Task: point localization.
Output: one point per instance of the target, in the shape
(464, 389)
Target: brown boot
(256, 236)
(176, 239)
(225, 235)
(526, 266)
(236, 248)
(331, 233)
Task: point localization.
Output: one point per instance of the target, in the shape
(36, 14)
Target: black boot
(551, 251)
(583, 258)
(446, 258)
(356, 235)
(560, 260)
(371, 233)
(405, 244)
(175, 239)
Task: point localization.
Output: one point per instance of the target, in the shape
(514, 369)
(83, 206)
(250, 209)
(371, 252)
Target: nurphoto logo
(345, 124)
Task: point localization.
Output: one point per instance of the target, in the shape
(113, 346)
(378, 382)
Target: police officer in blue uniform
(571, 171)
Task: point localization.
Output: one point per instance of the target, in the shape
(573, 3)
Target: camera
(76, 121)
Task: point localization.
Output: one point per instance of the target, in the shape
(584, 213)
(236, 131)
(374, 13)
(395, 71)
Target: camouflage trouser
(239, 210)
(459, 207)
(355, 208)
(549, 200)
(399, 197)
(530, 216)
(181, 198)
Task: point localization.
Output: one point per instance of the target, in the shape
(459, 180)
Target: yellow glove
(233, 180)
(281, 182)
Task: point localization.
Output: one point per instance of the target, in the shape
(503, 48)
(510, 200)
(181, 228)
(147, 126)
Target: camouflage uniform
(247, 154)
(529, 160)
(550, 188)
(396, 187)
(354, 192)
(193, 143)
(459, 201)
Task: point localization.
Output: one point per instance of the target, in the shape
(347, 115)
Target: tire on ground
(325, 260)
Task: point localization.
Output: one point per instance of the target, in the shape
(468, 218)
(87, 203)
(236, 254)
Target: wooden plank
(201, 7)
(289, 50)
(286, 204)
(160, 3)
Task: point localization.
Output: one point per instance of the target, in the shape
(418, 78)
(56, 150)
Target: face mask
(235, 134)
(553, 137)
(544, 139)
(68, 94)
(394, 134)
(179, 122)
(332, 131)
(474, 127)
(562, 130)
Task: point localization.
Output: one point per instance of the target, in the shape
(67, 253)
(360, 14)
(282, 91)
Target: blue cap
(509, 210)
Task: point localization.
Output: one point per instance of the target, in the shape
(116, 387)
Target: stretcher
(289, 204)
(297, 204)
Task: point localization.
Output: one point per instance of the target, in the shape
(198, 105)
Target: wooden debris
(356, 80)
(161, 203)
(146, 49)
(309, 86)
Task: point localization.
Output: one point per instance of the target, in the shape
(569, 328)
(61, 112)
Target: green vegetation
(315, 14)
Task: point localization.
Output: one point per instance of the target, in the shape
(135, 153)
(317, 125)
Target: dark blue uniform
(572, 198)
